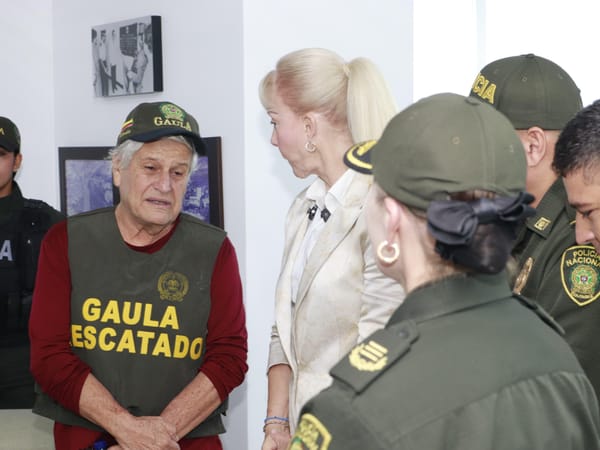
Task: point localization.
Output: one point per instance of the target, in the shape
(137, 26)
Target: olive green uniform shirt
(464, 365)
(562, 277)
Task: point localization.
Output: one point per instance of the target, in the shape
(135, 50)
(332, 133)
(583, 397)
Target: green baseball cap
(151, 121)
(529, 90)
(10, 138)
(443, 144)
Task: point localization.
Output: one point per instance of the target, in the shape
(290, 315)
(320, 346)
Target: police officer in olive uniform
(539, 97)
(463, 363)
(23, 223)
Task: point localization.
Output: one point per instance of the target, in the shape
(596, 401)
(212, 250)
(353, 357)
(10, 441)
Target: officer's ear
(396, 215)
(535, 144)
(17, 162)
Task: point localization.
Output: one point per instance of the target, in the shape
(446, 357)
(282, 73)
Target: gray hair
(124, 152)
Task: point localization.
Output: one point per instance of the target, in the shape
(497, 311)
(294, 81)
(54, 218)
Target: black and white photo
(127, 57)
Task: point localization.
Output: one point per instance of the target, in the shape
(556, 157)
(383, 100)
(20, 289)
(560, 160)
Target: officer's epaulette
(541, 225)
(372, 357)
(541, 313)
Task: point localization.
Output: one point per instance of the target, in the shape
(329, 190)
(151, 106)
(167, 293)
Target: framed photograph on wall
(86, 182)
(127, 57)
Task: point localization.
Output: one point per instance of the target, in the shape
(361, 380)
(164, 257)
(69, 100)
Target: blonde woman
(330, 293)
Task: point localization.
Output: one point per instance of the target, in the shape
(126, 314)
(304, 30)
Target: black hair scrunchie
(453, 223)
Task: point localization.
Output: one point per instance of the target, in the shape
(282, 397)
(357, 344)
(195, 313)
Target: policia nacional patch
(580, 274)
(311, 434)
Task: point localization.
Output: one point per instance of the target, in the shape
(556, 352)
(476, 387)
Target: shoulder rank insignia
(311, 434)
(542, 223)
(580, 274)
(374, 355)
(368, 356)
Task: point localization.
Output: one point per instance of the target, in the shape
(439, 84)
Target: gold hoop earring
(310, 147)
(388, 253)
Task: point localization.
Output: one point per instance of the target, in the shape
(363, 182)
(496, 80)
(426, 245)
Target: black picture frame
(127, 57)
(86, 182)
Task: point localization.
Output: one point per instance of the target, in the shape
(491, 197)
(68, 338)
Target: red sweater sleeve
(226, 343)
(58, 371)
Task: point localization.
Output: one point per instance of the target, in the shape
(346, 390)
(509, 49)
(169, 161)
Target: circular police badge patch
(173, 286)
(580, 274)
(311, 434)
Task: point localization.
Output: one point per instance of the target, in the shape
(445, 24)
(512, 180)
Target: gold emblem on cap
(542, 223)
(523, 276)
(369, 357)
(170, 111)
(173, 286)
(173, 116)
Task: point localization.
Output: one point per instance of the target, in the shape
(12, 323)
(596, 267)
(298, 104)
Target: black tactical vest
(21, 235)
(140, 320)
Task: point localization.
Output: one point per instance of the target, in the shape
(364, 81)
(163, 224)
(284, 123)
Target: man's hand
(147, 433)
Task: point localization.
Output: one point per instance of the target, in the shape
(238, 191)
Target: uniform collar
(450, 295)
(13, 201)
(552, 205)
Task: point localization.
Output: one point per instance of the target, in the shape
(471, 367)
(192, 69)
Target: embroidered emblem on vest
(173, 286)
(521, 280)
(369, 357)
(580, 274)
(311, 434)
(542, 223)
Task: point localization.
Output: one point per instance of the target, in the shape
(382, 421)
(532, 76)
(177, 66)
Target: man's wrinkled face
(153, 185)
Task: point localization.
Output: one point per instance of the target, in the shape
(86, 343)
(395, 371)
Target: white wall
(215, 53)
(26, 91)
(565, 32)
(445, 46)
(454, 40)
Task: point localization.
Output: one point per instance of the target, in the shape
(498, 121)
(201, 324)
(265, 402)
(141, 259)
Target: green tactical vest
(139, 320)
